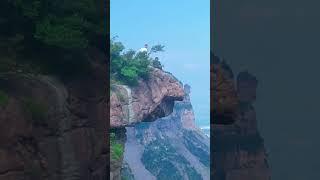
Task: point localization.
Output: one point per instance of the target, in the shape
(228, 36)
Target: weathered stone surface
(149, 100)
(246, 86)
(224, 99)
(54, 130)
(239, 152)
(172, 140)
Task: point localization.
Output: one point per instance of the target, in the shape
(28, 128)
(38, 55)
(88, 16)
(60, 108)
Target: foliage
(66, 34)
(4, 98)
(127, 67)
(62, 23)
(157, 48)
(54, 35)
(116, 149)
(156, 63)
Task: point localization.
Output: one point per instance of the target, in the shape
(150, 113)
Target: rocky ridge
(238, 148)
(151, 99)
(170, 145)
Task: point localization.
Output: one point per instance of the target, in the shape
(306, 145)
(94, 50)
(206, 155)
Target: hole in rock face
(164, 109)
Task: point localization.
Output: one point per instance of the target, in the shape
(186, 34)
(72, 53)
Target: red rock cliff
(150, 99)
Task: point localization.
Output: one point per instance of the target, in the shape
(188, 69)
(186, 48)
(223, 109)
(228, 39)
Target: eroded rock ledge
(150, 99)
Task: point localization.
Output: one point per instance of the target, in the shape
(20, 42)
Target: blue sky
(183, 26)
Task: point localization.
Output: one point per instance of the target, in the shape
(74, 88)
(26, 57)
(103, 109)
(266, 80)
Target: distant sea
(206, 130)
(204, 125)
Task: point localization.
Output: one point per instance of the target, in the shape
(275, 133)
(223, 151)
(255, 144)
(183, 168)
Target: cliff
(54, 129)
(171, 147)
(149, 100)
(238, 148)
(224, 100)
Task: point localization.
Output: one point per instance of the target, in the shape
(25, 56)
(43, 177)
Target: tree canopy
(128, 66)
(55, 30)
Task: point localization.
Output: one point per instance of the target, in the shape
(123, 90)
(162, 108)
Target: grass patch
(116, 149)
(4, 98)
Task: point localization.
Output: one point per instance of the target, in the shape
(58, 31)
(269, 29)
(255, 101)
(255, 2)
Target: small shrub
(127, 67)
(130, 75)
(156, 64)
(116, 149)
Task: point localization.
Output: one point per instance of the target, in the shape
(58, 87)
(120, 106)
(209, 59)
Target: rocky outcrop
(53, 129)
(224, 99)
(171, 147)
(150, 99)
(238, 148)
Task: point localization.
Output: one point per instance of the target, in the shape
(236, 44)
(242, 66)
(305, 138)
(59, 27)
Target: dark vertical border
(211, 86)
(107, 40)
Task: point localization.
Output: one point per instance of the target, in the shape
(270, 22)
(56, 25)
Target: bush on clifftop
(127, 67)
(54, 35)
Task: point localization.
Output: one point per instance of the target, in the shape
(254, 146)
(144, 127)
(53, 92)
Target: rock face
(53, 130)
(238, 148)
(172, 146)
(149, 100)
(224, 100)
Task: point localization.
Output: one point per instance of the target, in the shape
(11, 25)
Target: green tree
(128, 66)
(157, 48)
(55, 34)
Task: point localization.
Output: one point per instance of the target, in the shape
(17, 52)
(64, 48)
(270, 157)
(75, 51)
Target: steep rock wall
(238, 148)
(151, 99)
(170, 145)
(54, 130)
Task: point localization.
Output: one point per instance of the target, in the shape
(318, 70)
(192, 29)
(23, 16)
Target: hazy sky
(183, 26)
(278, 41)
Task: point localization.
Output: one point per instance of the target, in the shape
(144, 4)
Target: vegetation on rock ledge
(116, 149)
(53, 37)
(127, 67)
